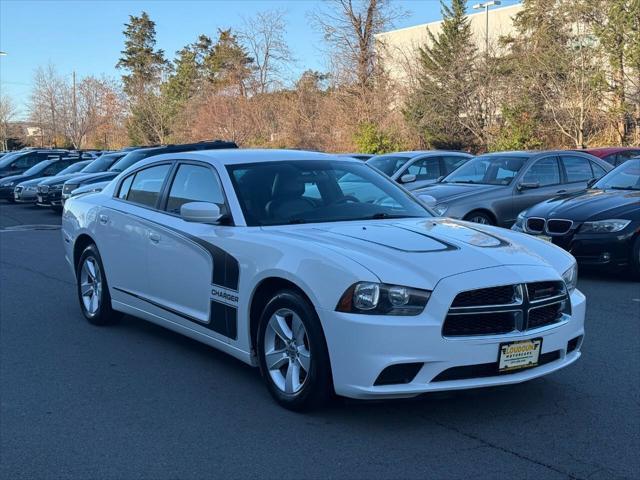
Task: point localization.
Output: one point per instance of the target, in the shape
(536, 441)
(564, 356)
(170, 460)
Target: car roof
(416, 153)
(234, 156)
(604, 151)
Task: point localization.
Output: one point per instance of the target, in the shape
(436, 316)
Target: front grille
(479, 324)
(43, 188)
(502, 295)
(484, 370)
(505, 309)
(535, 225)
(543, 316)
(543, 290)
(18, 189)
(559, 227)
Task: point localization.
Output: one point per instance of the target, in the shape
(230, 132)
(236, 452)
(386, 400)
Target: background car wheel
(479, 217)
(635, 259)
(292, 353)
(93, 292)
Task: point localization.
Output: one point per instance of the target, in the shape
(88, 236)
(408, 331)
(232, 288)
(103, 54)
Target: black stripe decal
(226, 273)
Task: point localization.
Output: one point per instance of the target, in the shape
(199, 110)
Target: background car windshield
(488, 170)
(624, 177)
(74, 167)
(388, 164)
(277, 193)
(8, 158)
(38, 167)
(128, 160)
(102, 163)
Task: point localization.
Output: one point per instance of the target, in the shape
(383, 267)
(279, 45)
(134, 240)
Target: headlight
(30, 189)
(604, 226)
(520, 220)
(440, 209)
(570, 278)
(8, 184)
(382, 299)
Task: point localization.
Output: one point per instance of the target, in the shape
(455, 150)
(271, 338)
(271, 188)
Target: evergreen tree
(140, 58)
(228, 65)
(442, 109)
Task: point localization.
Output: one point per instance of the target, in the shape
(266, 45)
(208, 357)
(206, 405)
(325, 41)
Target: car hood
(58, 179)
(446, 192)
(14, 178)
(33, 181)
(422, 251)
(591, 204)
(95, 177)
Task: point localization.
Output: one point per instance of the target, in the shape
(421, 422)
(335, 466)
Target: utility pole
(75, 109)
(486, 5)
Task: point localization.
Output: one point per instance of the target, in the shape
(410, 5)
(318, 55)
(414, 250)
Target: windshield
(487, 170)
(129, 159)
(102, 163)
(388, 164)
(624, 177)
(74, 167)
(8, 158)
(308, 191)
(38, 167)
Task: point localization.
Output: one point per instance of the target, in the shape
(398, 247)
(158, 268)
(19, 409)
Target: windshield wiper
(383, 215)
(462, 181)
(618, 187)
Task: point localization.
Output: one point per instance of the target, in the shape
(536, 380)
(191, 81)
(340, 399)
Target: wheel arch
(261, 295)
(484, 211)
(79, 245)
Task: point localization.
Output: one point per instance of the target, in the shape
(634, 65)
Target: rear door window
(451, 163)
(425, 169)
(578, 169)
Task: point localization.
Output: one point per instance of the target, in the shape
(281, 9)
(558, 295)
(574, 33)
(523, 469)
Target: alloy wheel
(286, 351)
(90, 285)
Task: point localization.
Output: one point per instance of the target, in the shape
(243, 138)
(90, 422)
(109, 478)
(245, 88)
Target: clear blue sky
(86, 36)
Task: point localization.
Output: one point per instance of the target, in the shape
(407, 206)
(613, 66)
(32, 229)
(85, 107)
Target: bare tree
(7, 113)
(348, 27)
(263, 37)
(46, 101)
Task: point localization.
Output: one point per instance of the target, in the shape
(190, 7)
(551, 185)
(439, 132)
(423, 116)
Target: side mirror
(200, 212)
(407, 178)
(528, 185)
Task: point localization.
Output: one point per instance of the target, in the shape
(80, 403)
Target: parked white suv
(262, 255)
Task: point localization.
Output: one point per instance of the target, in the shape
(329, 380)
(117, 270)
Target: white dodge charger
(324, 273)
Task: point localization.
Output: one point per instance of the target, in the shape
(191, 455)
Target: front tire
(635, 259)
(479, 217)
(92, 288)
(292, 353)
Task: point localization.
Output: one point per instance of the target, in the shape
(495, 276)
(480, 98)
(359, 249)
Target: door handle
(154, 237)
(104, 219)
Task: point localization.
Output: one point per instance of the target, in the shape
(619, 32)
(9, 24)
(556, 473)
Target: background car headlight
(440, 209)
(383, 299)
(8, 184)
(570, 277)
(604, 226)
(520, 220)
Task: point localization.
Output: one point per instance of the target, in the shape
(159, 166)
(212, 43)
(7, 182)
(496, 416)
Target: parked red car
(614, 155)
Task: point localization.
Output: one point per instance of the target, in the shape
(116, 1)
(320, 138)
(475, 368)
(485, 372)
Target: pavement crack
(501, 448)
(36, 272)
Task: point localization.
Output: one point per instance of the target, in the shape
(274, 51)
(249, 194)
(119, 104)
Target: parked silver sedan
(494, 188)
(417, 169)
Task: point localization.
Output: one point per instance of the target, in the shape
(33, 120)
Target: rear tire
(92, 288)
(292, 353)
(479, 217)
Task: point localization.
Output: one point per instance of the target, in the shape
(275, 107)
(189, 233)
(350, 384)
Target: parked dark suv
(14, 163)
(133, 157)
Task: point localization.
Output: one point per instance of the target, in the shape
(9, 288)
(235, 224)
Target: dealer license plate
(39, 198)
(516, 355)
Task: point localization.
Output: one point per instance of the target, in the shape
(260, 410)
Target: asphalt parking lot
(138, 401)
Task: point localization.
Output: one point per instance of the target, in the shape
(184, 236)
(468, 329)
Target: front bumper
(6, 193)
(362, 346)
(25, 196)
(50, 198)
(598, 249)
